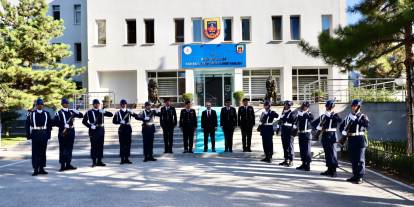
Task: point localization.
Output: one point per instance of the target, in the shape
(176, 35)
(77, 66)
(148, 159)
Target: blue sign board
(213, 56)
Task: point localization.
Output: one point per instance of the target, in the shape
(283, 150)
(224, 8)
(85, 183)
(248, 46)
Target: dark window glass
(246, 30)
(149, 31)
(228, 29)
(131, 31)
(277, 27)
(324, 71)
(56, 12)
(295, 28)
(179, 30)
(78, 52)
(167, 74)
(152, 74)
(308, 72)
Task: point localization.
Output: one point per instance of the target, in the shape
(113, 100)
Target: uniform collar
(65, 109)
(123, 109)
(95, 109)
(39, 111)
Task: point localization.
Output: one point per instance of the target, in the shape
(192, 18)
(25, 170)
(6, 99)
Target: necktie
(208, 113)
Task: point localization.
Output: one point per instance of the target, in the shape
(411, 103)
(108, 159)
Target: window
(228, 29)
(327, 23)
(197, 29)
(131, 31)
(295, 27)
(179, 30)
(254, 83)
(277, 27)
(56, 12)
(101, 27)
(246, 29)
(302, 77)
(149, 31)
(78, 52)
(77, 14)
(170, 84)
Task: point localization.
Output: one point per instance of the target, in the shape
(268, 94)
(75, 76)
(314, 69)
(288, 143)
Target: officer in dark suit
(246, 121)
(304, 127)
(123, 118)
(327, 124)
(286, 121)
(94, 120)
(209, 126)
(38, 129)
(168, 121)
(354, 128)
(66, 135)
(188, 125)
(148, 129)
(228, 121)
(266, 131)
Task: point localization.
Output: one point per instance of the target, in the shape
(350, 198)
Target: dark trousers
(267, 140)
(66, 145)
(357, 147)
(124, 133)
(188, 138)
(168, 133)
(287, 143)
(329, 147)
(228, 138)
(148, 139)
(305, 147)
(39, 146)
(212, 134)
(246, 136)
(97, 143)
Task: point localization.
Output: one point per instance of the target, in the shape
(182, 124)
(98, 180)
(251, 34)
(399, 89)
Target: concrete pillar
(238, 79)
(142, 89)
(189, 82)
(286, 83)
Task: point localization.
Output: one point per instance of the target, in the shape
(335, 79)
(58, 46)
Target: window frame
(330, 23)
(299, 29)
(176, 20)
(128, 33)
(97, 32)
(56, 8)
(201, 29)
(147, 20)
(231, 29)
(250, 28)
(75, 12)
(78, 53)
(281, 27)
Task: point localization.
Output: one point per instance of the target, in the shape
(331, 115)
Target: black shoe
(359, 181)
(100, 164)
(226, 150)
(333, 174)
(284, 163)
(327, 172)
(122, 162)
(307, 167)
(43, 172)
(205, 150)
(231, 151)
(145, 160)
(70, 167)
(353, 179)
(185, 151)
(249, 150)
(62, 168)
(302, 167)
(289, 163)
(152, 159)
(213, 150)
(264, 159)
(127, 161)
(269, 160)
(191, 151)
(35, 173)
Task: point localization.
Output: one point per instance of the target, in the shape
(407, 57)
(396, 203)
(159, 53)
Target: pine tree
(386, 27)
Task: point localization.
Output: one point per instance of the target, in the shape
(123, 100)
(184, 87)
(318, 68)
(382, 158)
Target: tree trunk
(409, 62)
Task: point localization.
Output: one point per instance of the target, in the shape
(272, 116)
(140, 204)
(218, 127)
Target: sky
(352, 18)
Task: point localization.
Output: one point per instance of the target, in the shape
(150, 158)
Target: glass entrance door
(214, 91)
(214, 88)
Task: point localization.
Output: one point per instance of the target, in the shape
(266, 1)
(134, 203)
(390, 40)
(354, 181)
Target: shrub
(187, 97)
(238, 96)
(373, 95)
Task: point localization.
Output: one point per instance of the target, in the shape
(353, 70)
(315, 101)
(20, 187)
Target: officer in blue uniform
(188, 125)
(303, 124)
(94, 120)
(38, 128)
(168, 121)
(327, 124)
(286, 121)
(353, 128)
(123, 119)
(148, 129)
(266, 131)
(228, 121)
(64, 119)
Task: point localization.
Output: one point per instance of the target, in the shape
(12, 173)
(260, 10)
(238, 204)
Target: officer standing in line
(188, 125)
(327, 124)
(353, 129)
(64, 120)
(94, 120)
(246, 121)
(209, 126)
(148, 129)
(123, 118)
(266, 131)
(303, 124)
(228, 121)
(38, 129)
(286, 121)
(168, 121)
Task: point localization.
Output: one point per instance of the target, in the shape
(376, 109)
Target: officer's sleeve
(254, 116)
(108, 114)
(79, 115)
(238, 116)
(140, 116)
(342, 126)
(310, 116)
(157, 113)
(235, 117)
(85, 120)
(195, 119)
(175, 117)
(276, 115)
(315, 123)
(364, 121)
(221, 117)
(338, 118)
(181, 118)
(27, 126)
(49, 124)
(116, 120)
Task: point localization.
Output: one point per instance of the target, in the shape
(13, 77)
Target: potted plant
(238, 96)
(187, 97)
(318, 95)
(107, 102)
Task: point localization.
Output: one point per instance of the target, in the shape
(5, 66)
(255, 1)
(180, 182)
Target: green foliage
(238, 95)
(187, 97)
(8, 117)
(374, 95)
(25, 35)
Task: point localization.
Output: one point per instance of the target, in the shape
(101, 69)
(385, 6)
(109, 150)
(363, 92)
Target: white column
(142, 88)
(286, 83)
(238, 79)
(189, 82)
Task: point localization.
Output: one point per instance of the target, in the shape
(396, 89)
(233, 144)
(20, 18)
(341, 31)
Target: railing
(344, 90)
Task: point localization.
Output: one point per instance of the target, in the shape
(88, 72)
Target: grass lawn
(7, 141)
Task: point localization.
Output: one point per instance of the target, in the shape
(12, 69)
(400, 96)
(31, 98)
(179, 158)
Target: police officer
(38, 129)
(123, 118)
(64, 120)
(303, 124)
(148, 129)
(286, 121)
(246, 121)
(209, 126)
(327, 124)
(228, 121)
(168, 121)
(266, 131)
(94, 120)
(354, 127)
(188, 125)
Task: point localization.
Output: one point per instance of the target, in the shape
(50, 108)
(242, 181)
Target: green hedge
(373, 95)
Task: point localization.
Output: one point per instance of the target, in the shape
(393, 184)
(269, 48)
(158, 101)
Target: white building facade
(126, 43)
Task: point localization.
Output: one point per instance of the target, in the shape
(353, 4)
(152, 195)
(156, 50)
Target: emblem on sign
(212, 27)
(240, 49)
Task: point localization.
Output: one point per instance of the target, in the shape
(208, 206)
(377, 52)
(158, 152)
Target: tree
(29, 62)
(386, 27)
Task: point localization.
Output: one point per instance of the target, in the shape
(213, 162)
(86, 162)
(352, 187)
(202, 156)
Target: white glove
(147, 118)
(75, 111)
(295, 127)
(129, 111)
(66, 125)
(344, 133)
(93, 126)
(300, 113)
(102, 111)
(122, 122)
(328, 114)
(353, 117)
